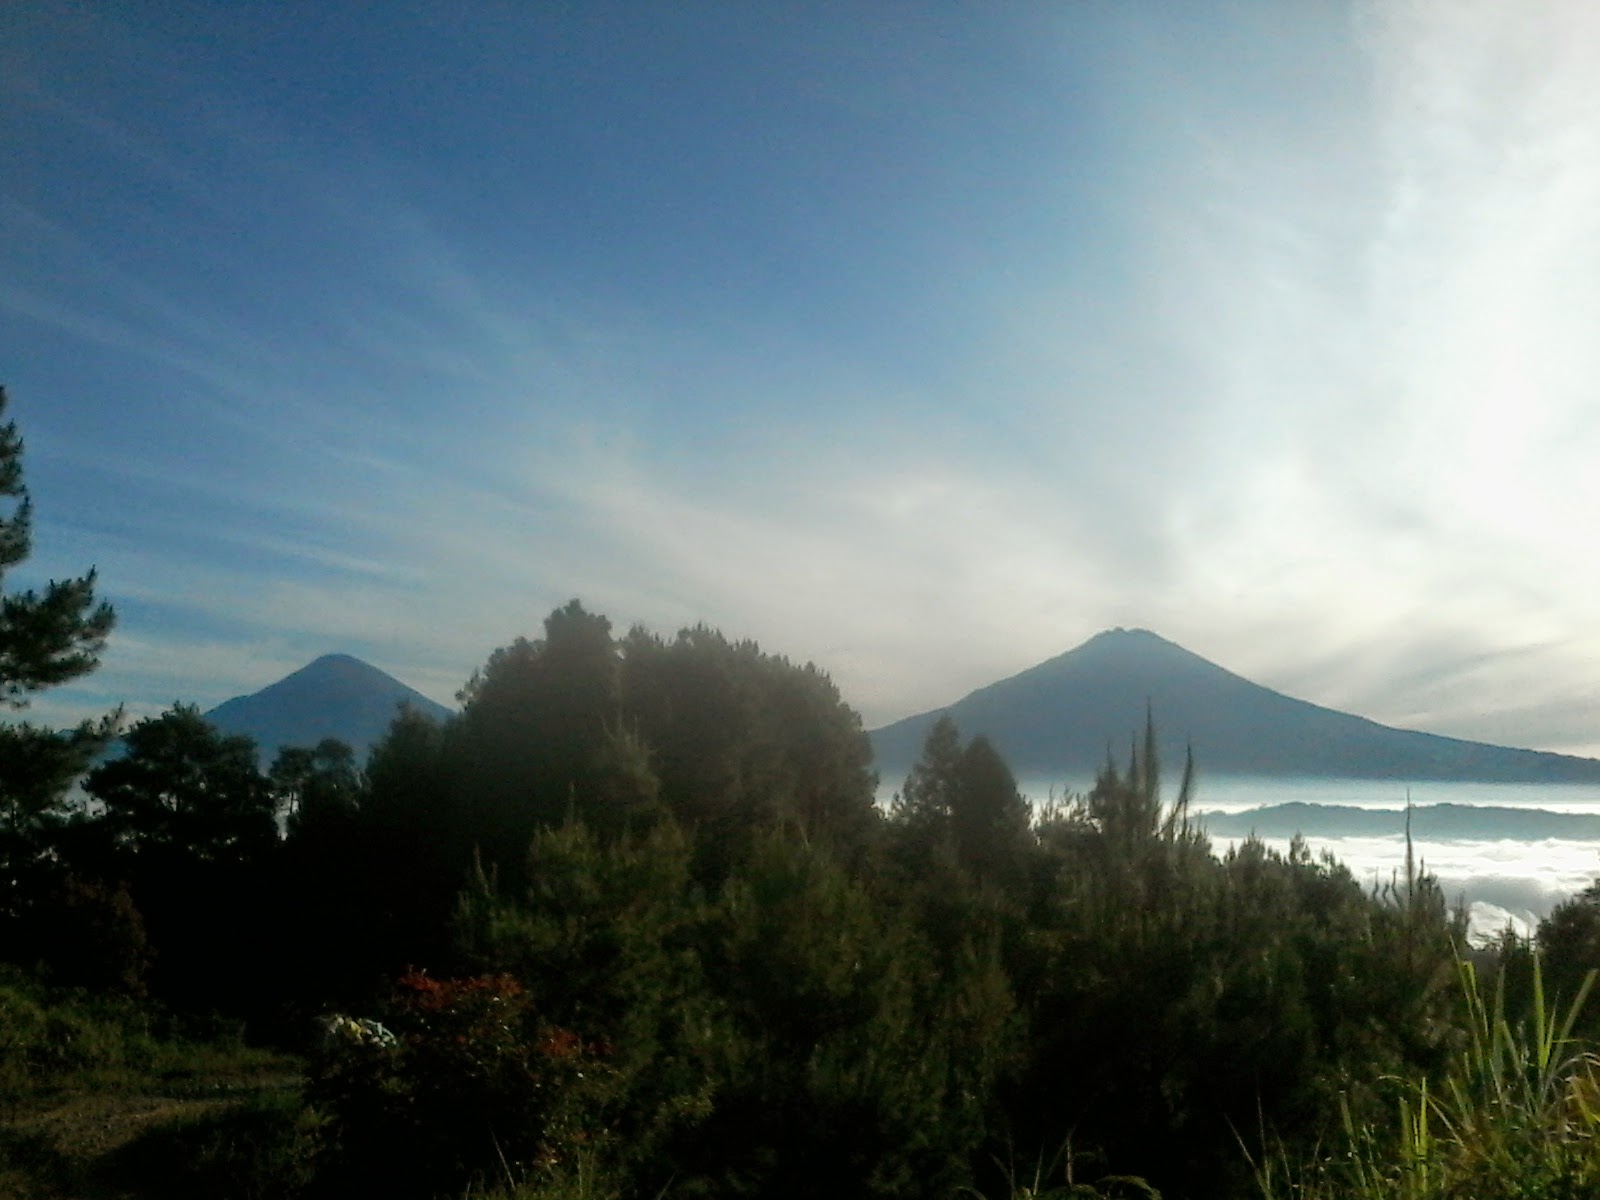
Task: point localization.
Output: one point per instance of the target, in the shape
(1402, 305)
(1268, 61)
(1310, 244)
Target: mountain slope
(336, 696)
(1061, 717)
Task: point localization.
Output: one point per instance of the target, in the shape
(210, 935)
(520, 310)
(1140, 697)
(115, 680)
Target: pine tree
(186, 791)
(47, 638)
(50, 637)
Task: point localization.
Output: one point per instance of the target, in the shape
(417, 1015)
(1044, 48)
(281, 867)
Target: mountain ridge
(1435, 822)
(1065, 715)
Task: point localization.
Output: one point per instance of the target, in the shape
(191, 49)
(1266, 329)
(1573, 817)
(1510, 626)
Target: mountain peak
(335, 666)
(336, 660)
(1120, 638)
(334, 696)
(1125, 638)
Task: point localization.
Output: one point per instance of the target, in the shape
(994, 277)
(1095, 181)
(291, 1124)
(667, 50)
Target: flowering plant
(460, 1078)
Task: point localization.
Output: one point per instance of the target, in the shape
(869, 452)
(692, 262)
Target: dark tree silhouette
(47, 638)
(316, 786)
(183, 788)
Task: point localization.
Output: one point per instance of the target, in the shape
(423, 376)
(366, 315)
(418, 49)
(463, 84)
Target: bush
(1516, 1117)
(43, 1039)
(461, 1081)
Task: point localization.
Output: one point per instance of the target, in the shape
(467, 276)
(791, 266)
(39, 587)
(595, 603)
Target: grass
(101, 1098)
(1517, 1117)
(1058, 1180)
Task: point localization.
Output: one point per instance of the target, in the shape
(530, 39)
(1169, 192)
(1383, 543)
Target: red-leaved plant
(473, 1084)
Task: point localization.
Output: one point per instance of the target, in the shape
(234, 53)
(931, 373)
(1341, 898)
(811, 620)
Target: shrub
(471, 1083)
(1516, 1117)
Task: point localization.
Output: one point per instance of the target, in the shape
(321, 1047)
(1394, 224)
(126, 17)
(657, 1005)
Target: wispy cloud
(1294, 371)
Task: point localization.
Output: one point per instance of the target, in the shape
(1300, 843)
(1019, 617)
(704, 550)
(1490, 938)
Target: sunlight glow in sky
(921, 342)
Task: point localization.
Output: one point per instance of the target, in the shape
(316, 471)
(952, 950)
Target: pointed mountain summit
(1060, 719)
(336, 696)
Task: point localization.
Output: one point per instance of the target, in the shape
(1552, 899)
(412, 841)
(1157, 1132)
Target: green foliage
(1188, 996)
(1514, 1116)
(53, 1038)
(76, 1069)
(743, 742)
(92, 935)
(186, 813)
(410, 854)
(921, 811)
(990, 819)
(960, 809)
(533, 725)
(1041, 1182)
(1569, 941)
(858, 1067)
(786, 1037)
(606, 940)
(46, 1036)
(676, 949)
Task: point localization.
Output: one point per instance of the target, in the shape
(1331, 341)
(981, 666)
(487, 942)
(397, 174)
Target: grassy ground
(116, 1136)
(103, 1100)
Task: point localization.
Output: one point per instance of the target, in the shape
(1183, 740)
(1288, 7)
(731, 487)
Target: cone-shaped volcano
(1062, 717)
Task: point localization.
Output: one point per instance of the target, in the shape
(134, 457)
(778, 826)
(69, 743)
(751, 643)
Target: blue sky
(921, 341)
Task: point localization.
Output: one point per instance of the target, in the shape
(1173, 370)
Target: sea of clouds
(1502, 881)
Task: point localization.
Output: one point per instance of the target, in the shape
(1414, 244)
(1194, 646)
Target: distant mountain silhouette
(1431, 822)
(336, 696)
(1060, 719)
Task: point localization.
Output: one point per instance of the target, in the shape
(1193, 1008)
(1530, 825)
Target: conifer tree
(185, 790)
(47, 637)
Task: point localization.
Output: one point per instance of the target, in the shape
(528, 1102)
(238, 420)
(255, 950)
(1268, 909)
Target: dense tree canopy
(182, 788)
(621, 732)
(315, 786)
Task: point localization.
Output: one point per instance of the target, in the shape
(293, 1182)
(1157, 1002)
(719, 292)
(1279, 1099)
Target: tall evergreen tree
(960, 804)
(189, 819)
(928, 797)
(532, 739)
(991, 818)
(317, 786)
(47, 637)
(416, 844)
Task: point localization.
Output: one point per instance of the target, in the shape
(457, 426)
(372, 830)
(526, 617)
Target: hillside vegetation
(632, 925)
